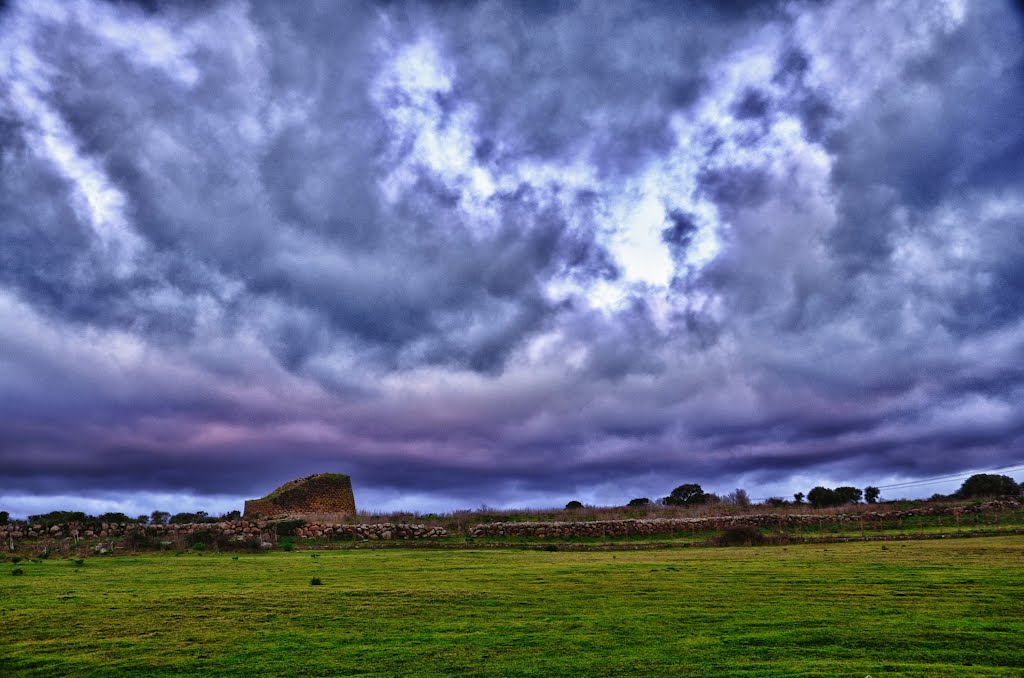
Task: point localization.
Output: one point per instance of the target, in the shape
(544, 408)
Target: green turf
(924, 608)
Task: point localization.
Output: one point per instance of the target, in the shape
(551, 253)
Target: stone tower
(322, 493)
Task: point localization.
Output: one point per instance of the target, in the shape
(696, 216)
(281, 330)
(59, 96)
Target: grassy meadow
(951, 607)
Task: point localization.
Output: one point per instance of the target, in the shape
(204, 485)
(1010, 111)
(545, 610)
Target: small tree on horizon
(689, 494)
(738, 497)
(573, 505)
(848, 495)
(798, 497)
(159, 517)
(871, 494)
(639, 501)
(822, 497)
(988, 485)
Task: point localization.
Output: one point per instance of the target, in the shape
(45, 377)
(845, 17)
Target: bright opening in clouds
(506, 254)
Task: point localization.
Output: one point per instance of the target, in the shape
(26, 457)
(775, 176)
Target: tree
(142, 520)
(5, 517)
(689, 494)
(871, 494)
(798, 498)
(776, 502)
(113, 517)
(738, 497)
(639, 501)
(821, 497)
(988, 485)
(848, 495)
(232, 515)
(159, 517)
(573, 505)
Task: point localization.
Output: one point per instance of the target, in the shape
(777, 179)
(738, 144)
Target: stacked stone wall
(236, 534)
(656, 526)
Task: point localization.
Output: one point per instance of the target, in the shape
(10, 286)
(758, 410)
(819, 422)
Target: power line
(923, 482)
(942, 479)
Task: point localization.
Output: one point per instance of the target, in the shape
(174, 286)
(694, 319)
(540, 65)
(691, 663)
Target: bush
(17, 572)
(738, 497)
(287, 528)
(315, 581)
(5, 517)
(198, 546)
(573, 505)
(286, 544)
(639, 501)
(740, 535)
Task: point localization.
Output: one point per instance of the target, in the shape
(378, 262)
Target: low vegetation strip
(921, 608)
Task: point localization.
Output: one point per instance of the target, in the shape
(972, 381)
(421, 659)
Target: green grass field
(925, 608)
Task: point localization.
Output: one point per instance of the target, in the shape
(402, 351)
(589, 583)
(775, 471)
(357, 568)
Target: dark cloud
(507, 252)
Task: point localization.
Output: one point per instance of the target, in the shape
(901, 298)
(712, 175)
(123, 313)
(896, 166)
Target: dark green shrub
(198, 546)
(286, 544)
(78, 562)
(17, 572)
(549, 547)
(740, 535)
(639, 501)
(315, 581)
(15, 559)
(143, 538)
(573, 505)
(287, 528)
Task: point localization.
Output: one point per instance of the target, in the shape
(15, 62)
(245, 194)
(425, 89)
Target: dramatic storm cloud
(506, 253)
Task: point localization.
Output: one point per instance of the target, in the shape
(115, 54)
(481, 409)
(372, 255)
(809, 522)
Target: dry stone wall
(655, 526)
(240, 534)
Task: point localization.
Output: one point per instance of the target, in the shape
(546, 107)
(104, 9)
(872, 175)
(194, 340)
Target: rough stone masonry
(318, 494)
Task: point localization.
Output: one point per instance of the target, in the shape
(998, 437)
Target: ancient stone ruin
(318, 494)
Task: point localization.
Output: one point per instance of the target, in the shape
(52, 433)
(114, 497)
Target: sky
(507, 254)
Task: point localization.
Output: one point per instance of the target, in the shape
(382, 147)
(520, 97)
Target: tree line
(154, 518)
(692, 494)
